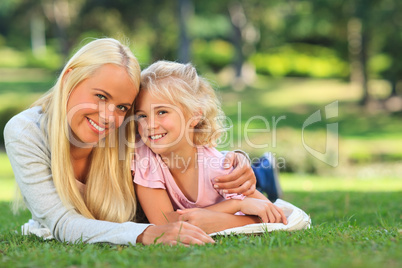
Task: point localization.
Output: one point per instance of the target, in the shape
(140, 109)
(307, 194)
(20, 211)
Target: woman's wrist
(142, 238)
(243, 153)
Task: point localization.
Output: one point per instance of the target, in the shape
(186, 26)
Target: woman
(71, 154)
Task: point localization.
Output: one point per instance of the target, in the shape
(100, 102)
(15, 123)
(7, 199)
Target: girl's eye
(140, 116)
(162, 112)
(100, 96)
(122, 108)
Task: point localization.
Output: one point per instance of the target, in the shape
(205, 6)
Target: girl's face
(98, 104)
(163, 126)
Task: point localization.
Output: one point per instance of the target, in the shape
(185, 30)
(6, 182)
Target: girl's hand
(268, 212)
(213, 221)
(241, 180)
(176, 233)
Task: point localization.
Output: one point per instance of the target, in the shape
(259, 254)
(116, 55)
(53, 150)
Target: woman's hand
(176, 233)
(241, 180)
(264, 209)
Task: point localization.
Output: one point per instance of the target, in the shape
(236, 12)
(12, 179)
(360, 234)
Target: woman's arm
(30, 159)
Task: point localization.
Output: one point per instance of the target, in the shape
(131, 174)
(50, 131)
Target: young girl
(179, 121)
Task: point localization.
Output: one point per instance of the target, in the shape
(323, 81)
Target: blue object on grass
(265, 171)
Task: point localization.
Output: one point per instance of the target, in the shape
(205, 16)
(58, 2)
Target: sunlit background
(274, 63)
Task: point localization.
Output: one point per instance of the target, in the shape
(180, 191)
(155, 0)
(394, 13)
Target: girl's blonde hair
(180, 84)
(109, 192)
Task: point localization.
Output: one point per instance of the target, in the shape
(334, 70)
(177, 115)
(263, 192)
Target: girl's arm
(213, 221)
(159, 210)
(256, 204)
(156, 205)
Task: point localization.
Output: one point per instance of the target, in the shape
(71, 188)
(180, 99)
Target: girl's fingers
(277, 216)
(271, 217)
(281, 215)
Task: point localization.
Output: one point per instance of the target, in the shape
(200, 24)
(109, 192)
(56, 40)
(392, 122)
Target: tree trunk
(58, 12)
(394, 83)
(185, 13)
(357, 42)
(38, 37)
(238, 19)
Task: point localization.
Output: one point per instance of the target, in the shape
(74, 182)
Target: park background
(268, 60)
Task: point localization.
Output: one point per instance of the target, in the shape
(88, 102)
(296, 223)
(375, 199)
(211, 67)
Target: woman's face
(99, 104)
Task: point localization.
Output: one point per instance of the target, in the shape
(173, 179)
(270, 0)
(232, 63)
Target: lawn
(355, 206)
(352, 227)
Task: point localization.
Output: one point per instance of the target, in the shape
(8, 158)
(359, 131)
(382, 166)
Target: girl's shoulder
(144, 157)
(210, 152)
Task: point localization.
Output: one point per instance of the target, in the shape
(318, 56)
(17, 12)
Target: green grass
(350, 229)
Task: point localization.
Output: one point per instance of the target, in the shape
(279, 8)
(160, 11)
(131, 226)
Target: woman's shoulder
(24, 124)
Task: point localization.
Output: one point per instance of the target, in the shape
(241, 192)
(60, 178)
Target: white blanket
(297, 220)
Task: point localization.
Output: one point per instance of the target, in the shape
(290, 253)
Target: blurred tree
(244, 38)
(186, 11)
(389, 38)
(366, 33)
(60, 14)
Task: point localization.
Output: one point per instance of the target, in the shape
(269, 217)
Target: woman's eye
(100, 96)
(122, 108)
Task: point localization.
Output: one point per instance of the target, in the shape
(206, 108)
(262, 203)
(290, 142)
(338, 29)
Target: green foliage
(379, 63)
(17, 96)
(209, 27)
(5, 116)
(214, 54)
(13, 58)
(49, 59)
(300, 60)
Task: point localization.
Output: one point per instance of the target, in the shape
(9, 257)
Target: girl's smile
(157, 137)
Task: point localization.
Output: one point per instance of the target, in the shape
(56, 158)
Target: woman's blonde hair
(180, 84)
(109, 191)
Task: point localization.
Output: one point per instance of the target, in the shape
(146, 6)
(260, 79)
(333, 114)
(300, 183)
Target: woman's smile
(96, 127)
